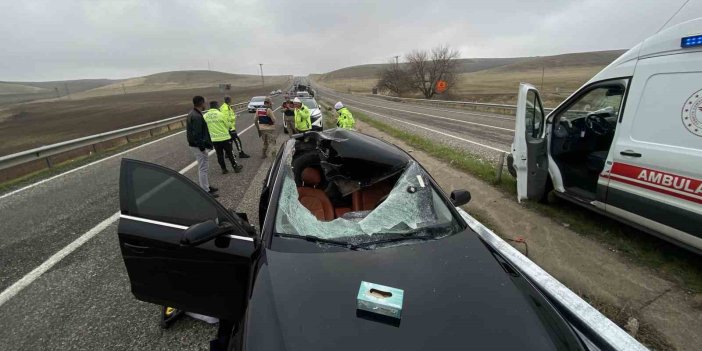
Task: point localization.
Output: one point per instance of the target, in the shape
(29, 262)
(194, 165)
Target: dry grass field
(493, 80)
(27, 125)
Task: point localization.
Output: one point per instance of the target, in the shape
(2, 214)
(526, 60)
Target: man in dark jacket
(200, 142)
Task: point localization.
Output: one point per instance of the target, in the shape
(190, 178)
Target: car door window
(607, 98)
(157, 193)
(534, 115)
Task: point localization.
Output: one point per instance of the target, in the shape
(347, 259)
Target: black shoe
(213, 189)
(214, 195)
(237, 168)
(225, 171)
(169, 315)
(243, 155)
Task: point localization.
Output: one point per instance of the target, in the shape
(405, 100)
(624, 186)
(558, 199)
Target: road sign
(441, 86)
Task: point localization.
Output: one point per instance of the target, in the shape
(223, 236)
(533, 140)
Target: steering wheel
(598, 124)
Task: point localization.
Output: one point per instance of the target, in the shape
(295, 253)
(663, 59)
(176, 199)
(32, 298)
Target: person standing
(345, 119)
(289, 116)
(230, 116)
(199, 141)
(218, 126)
(303, 122)
(265, 123)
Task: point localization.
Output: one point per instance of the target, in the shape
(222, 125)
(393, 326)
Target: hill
(13, 92)
(493, 79)
(181, 80)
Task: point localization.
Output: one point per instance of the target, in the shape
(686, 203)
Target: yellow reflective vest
(303, 122)
(345, 119)
(229, 115)
(217, 125)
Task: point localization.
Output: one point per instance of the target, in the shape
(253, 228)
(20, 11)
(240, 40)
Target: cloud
(65, 39)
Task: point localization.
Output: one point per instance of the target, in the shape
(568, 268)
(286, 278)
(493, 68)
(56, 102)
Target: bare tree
(428, 67)
(395, 78)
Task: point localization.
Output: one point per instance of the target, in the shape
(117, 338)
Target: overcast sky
(70, 39)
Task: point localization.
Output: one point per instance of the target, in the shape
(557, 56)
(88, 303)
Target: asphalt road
(483, 134)
(83, 302)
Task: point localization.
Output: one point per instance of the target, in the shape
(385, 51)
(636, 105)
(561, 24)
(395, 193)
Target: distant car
(256, 102)
(278, 91)
(302, 94)
(272, 92)
(337, 208)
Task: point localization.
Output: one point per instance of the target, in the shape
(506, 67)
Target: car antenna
(671, 17)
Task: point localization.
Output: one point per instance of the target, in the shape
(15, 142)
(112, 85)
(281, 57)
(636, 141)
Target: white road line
(432, 130)
(30, 277)
(91, 164)
(434, 116)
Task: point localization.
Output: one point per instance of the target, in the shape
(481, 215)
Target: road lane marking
(30, 277)
(434, 116)
(432, 130)
(91, 164)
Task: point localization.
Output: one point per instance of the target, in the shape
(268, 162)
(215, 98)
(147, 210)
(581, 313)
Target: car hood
(456, 296)
(315, 111)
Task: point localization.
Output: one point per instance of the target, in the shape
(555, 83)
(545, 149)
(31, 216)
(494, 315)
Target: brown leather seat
(365, 199)
(312, 198)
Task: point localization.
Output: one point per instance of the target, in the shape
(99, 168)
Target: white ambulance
(627, 144)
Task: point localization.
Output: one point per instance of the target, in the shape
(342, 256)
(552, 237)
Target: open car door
(529, 148)
(181, 248)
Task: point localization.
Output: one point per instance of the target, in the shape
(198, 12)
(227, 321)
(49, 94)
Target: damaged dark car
(338, 209)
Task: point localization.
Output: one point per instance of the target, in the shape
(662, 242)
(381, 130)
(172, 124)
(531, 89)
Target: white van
(627, 144)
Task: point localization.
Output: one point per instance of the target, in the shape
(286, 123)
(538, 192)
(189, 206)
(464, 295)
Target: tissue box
(380, 299)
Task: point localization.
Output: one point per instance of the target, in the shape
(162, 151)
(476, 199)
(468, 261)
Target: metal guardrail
(465, 105)
(44, 152)
(588, 320)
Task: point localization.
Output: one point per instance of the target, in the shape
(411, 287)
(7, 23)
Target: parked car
(256, 102)
(337, 208)
(628, 144)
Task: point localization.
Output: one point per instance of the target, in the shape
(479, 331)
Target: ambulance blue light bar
(689, 42)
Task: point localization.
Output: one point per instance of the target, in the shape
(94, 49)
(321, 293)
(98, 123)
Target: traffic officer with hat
(345, 119)
(303, 122)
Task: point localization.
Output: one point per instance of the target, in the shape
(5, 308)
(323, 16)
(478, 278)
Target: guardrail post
(500, 165)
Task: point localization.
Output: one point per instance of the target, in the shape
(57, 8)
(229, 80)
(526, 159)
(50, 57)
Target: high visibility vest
(229, 115)
(345, 120)
(217, 125)
(303, 122)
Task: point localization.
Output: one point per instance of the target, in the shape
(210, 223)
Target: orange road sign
(441, 86)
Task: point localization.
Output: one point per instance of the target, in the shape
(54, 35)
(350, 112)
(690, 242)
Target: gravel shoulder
(667, 313)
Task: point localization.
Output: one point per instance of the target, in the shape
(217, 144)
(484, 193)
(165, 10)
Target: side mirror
(460, 197)
(199, 233)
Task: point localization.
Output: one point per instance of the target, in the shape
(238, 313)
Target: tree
(395, 78)
(428, 67)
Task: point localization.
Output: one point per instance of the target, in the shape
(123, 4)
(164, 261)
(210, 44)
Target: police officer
(303, 122)
(345, 119)
(289, 116)
(230, 115)
(218, 126)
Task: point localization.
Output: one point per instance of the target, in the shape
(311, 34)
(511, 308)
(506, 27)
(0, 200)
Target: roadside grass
(629, 320)
(678, 265)
(59, 168)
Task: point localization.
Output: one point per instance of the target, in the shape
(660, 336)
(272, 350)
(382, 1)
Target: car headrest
(311, 177)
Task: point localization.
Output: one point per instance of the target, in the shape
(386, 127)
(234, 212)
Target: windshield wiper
(315, 239)
(394, 239)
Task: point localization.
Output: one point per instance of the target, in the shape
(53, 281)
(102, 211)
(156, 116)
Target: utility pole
(396, 59)
(124, 89)
(543, 68)
(262, 82)
(208, 65)
(58, 95)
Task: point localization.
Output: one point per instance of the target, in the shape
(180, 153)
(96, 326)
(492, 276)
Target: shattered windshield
(412, 207)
